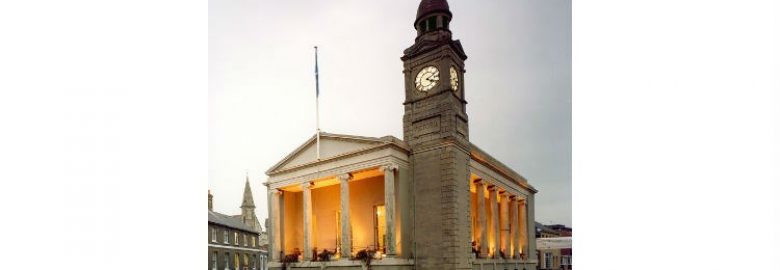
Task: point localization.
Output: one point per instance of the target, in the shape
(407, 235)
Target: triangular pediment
(331, 145)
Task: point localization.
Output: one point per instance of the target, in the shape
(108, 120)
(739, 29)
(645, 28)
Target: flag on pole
(316, 72)
(317, 99)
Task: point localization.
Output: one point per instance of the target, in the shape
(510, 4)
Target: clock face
(427, 78)
(454, 78)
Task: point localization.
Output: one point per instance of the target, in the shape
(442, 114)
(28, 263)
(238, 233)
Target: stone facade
(555, 252)
(236, 242)
(434, 200)
(234, 248)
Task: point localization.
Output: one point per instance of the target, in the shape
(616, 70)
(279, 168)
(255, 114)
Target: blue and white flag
(316, 72)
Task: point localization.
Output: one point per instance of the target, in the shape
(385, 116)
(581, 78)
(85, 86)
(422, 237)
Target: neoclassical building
(433, 200)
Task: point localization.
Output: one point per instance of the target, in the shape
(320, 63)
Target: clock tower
(436, 130)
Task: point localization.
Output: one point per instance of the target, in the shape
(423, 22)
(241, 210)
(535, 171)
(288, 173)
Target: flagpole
(317, 82)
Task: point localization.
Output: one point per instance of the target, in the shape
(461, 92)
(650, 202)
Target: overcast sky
(261, 85)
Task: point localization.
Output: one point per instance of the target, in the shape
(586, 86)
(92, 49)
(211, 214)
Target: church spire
(248, 202)
(248, 208)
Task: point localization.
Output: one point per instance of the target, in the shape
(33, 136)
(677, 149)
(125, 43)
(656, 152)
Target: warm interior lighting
(368, 227)
(381, 227)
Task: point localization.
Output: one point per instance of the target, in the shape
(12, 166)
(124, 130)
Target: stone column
(513, 243)
(280, 223)
(494, 212)
(523, 231)
(531, 229)
(482, 217)
(307, 226)
(275, 232)
(504, 221)
(346, 238)
(389, 171)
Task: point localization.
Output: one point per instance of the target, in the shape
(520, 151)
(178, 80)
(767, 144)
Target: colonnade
(507, 224)
(276, 205)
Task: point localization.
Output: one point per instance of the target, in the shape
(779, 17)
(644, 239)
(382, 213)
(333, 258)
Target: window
(245, 242)
(213, 235)
(548, 260)
(566, 260)
(253, 241)
(254, 261)
(225, 237)
(236, 261)
(235, 238)
(214, 260)
(227, 259)
(446, 22)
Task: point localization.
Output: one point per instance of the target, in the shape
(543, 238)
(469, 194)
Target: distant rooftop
(229, 221)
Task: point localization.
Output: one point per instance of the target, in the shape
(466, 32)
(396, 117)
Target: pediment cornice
(371, 144)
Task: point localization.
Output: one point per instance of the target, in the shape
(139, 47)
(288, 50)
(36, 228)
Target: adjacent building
(556, 230)
(433, 200)
(554, 253)
(235, 242)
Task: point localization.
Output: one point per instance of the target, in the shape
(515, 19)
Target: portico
(501, 222)
(344, 203)
(505, 231)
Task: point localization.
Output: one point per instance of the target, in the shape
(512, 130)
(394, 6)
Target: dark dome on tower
(430, 6)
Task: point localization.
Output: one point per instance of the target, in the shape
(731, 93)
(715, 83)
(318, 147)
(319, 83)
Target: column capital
(478, 181)
(513, 197)
(306, 185)
(492, 187)
(344, 177)
(388, 167)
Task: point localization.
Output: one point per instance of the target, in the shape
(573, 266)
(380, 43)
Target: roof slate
(229, 221)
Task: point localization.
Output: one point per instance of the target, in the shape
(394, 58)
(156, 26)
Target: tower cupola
(432, 16)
